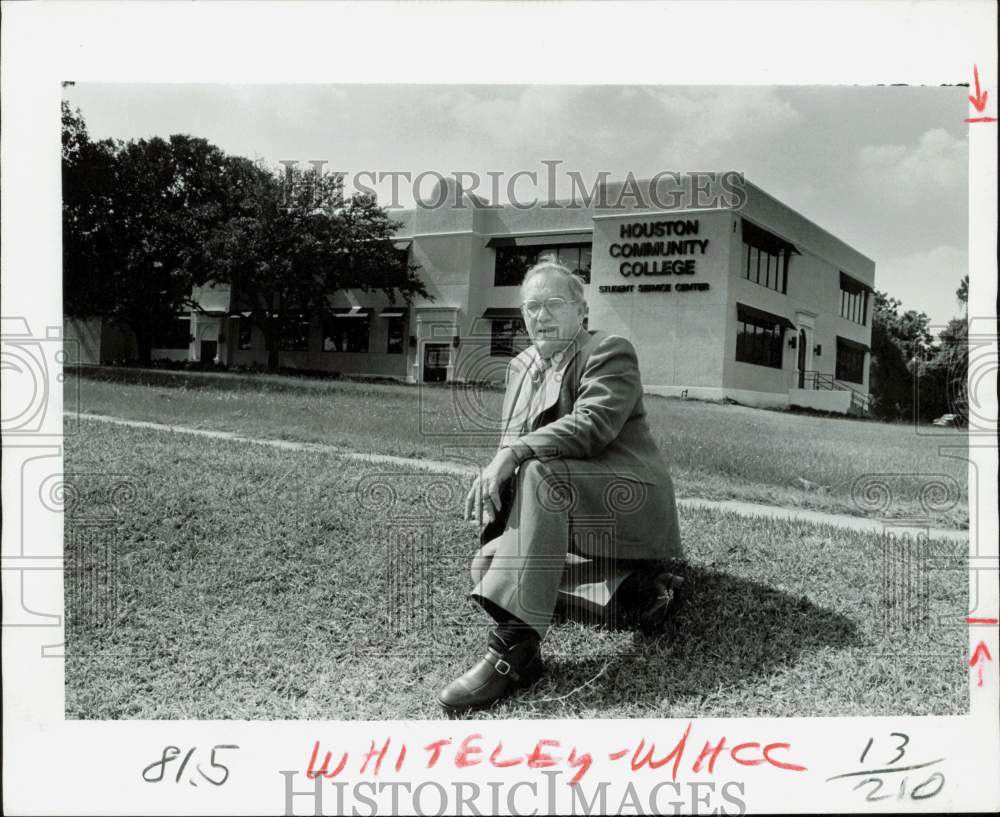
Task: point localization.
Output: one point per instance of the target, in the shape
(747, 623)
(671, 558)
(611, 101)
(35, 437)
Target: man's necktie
(537, 377)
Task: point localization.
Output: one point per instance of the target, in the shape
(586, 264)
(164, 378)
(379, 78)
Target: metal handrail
(824, 381)
(819, 380)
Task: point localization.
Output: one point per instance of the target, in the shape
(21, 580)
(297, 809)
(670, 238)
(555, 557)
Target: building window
(758, 339)
(245, 334)
(508, 338)
(853, 300)
(512, 263)
(850, 361)
(294, 335)
(395, 343)
(346, 333)
(765, 258)
(577, 259)
(175, 336)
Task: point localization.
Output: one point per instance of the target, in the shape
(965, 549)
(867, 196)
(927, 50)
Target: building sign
(613, 289)
(657, 248)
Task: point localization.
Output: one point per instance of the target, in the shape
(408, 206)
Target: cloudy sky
(883, 168)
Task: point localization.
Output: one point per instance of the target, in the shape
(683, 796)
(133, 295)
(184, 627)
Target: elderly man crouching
(577, 472)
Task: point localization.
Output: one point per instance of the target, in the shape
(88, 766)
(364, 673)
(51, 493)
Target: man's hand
(483, 498)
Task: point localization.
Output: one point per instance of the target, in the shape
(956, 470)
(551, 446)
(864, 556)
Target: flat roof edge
(826, 233)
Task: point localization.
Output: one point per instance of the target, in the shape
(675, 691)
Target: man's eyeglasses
(553, 306)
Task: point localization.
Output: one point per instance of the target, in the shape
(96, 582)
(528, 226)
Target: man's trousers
(556, 507)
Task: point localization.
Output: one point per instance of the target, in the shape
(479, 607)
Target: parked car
(949, 420)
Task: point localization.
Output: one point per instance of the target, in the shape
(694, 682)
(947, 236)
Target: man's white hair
(545, 267)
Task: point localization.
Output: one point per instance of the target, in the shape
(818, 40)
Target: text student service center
(756, 304)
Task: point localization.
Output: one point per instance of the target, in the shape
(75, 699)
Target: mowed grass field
(215, 579)
(863, 468)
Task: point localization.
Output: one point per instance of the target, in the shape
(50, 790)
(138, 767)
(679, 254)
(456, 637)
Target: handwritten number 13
(900, 748)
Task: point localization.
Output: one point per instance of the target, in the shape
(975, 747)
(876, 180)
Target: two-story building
(742, 299)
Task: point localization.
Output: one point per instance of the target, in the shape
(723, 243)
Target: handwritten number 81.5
(171, 753)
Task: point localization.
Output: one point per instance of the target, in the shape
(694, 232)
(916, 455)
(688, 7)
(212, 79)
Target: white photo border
(56, 766)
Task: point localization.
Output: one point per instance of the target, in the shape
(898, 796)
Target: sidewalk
(858, 523)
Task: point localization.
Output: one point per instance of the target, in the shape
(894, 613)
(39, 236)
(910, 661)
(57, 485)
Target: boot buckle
(505, 668)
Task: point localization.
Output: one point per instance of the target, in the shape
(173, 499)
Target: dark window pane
(759, 342)
(853, 300)
(294, 335)
(346, 334)
(850, 363)
(508, 337)
(765, 258)
(177, 335)
(245, 334)
(513, 262)
(585, 258)
(396, 335)
(511, 265)
(569, 257)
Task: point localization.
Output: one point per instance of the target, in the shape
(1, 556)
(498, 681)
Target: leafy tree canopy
(147, 221)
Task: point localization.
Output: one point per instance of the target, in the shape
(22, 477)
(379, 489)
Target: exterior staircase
(860, 402)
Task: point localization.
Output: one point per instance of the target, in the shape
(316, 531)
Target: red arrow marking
(979, 100)
(971, 620)
(980, 656)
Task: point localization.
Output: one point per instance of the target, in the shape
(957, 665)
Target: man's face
(551, 330)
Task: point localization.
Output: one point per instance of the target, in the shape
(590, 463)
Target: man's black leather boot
(507, 666)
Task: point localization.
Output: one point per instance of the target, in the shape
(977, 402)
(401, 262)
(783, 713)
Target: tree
(951, 366)
(908, 330)
(899, 342)
(170, 196)
(944, 376)
(295, 241)
(135, 218)
(890, 381)
(89, 241)
(144, 222)
(912, 376)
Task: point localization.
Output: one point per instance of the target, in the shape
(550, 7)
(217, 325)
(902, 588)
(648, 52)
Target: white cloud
(913, 174)
(713, 125)
(509, 120)
(925, 281)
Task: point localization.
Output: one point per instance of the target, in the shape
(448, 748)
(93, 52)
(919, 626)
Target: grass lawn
(213, 579)
(715, 451)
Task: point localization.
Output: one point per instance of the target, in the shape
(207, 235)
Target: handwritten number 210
(928, 788)
(920, 792)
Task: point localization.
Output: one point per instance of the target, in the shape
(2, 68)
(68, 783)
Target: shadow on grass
(724, 630)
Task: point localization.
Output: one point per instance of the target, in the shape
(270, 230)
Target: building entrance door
(209, 349)
(802, 358)
(436, 359)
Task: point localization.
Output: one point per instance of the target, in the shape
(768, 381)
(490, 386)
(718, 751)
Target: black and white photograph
(499, 423)
(683, 433)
